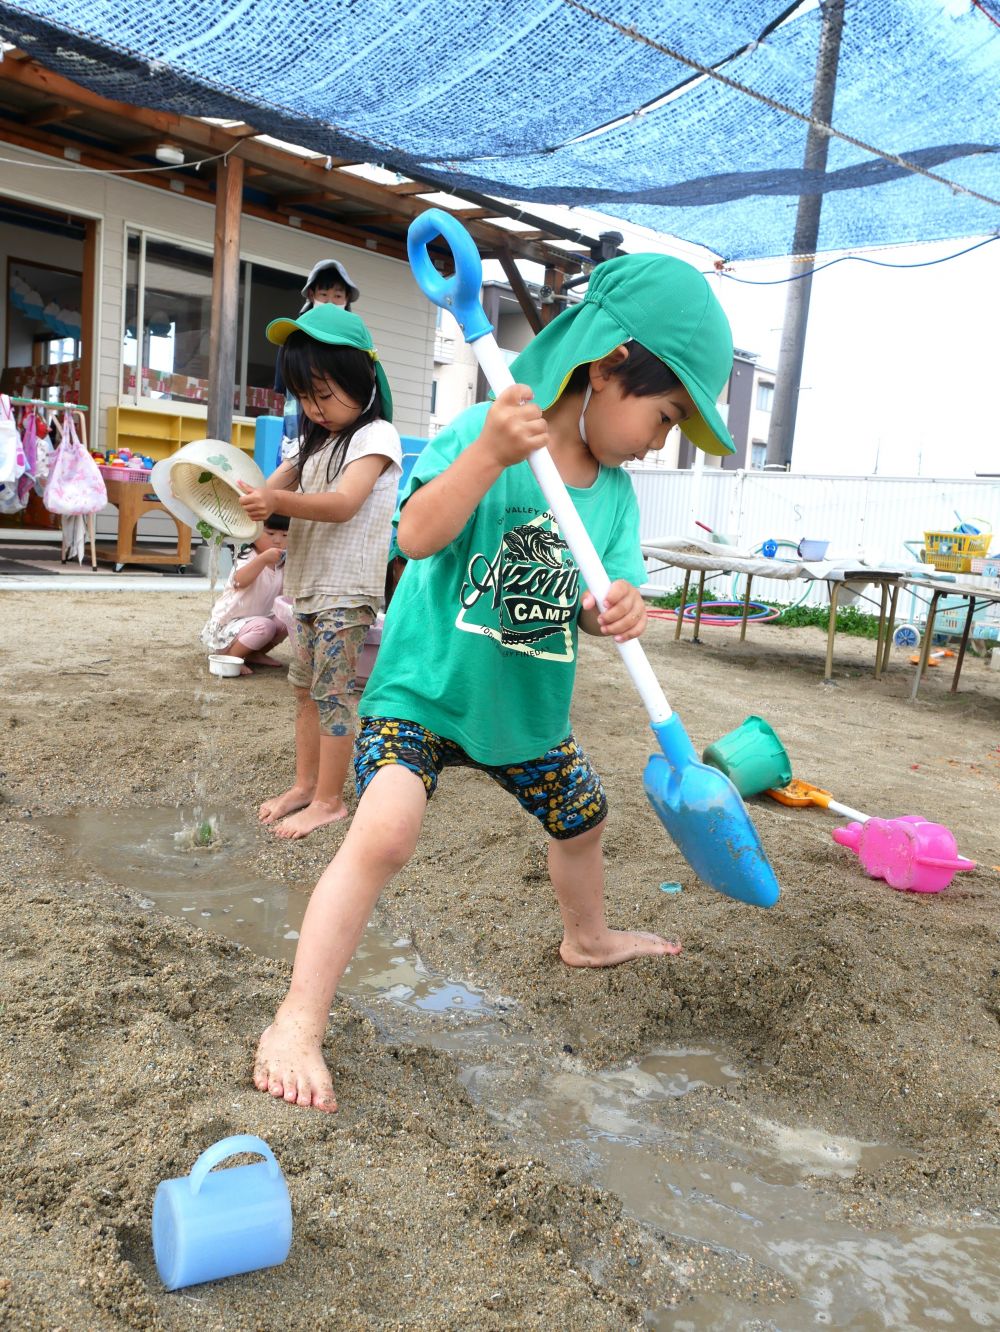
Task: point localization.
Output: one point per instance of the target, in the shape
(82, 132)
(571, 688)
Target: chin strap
(583, 413)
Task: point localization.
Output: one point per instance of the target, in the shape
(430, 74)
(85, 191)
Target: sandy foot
(619, 946)
(289, 1066)
(296, 797)
(264, 659)
(315, 815)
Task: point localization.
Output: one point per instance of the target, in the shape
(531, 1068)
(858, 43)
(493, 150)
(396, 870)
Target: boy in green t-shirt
(478, 652)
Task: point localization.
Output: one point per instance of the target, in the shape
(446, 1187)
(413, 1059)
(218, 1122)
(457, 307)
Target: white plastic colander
(201, 478)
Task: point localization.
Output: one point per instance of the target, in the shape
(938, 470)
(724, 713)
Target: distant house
(137, 242)
(457, 384)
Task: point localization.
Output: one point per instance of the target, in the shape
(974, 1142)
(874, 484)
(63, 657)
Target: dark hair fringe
(642, 375)
(302, 361)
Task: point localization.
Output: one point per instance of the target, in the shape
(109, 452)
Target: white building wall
(861, 517)
(400, 317)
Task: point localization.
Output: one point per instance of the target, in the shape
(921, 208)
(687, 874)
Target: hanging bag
(12, 462)
(74, 484)
(29, 442)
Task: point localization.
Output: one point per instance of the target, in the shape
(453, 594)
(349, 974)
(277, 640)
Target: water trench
(698, 1176)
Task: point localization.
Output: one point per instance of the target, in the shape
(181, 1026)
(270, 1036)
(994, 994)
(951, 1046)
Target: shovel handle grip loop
(468, 277)
(460, 292)
(232, 1146)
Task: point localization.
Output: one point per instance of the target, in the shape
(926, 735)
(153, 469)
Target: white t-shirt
(333, 564)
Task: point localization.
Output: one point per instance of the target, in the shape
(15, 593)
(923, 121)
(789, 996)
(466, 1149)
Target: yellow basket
(953, 552)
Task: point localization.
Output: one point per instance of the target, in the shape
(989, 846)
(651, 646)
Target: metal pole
(793, 335)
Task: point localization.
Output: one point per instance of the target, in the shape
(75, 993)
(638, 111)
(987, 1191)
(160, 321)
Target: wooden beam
(96, 158)
(304, 200)
(520, 290)
(53, 114)
(225, 298)
(212, 139)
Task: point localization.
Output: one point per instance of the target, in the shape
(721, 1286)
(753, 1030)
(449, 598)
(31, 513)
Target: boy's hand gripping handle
(460, 295)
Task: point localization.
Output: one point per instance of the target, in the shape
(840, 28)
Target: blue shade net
(536, 101)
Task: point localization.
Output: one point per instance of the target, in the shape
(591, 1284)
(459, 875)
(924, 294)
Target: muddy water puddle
(740, 1186)
(192, 864)
(650, 1132)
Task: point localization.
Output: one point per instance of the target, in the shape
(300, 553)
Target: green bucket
(752, 757)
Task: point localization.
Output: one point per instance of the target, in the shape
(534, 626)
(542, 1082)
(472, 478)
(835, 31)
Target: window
(169, 297)
(43, 332)
(765, 395)
(758, 454)
(434, 396)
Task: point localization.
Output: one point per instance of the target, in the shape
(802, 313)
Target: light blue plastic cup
(209, 1225)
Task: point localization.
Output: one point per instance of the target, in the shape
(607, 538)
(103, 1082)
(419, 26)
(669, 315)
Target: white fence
(867, 517)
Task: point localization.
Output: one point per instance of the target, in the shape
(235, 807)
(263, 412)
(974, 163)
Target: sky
(901, 375)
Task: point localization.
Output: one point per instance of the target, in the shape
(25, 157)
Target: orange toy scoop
(799, 793)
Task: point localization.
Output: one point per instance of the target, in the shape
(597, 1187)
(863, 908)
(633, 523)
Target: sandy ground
(126, 1038)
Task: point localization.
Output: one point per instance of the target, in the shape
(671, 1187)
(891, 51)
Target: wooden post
(225, 297)
(89, 339)
(520, 289)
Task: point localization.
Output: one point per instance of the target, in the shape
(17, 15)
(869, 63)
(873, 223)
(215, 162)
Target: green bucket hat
(661, 302)
(331, 323)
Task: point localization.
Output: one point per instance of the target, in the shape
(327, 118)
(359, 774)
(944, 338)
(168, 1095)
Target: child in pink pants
(243, 622)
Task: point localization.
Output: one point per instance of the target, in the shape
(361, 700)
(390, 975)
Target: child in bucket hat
(328, 283)
(479, 646)
(339, 491)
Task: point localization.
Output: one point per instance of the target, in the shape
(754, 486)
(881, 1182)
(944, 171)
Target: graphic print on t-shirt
(524, 595)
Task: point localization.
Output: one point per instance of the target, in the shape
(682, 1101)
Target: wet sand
(127, 1037)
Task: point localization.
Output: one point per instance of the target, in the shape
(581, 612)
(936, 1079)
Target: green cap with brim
(664, 304)
(333, 324)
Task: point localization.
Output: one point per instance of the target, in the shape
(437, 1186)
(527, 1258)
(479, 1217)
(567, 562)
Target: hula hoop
(762, 613)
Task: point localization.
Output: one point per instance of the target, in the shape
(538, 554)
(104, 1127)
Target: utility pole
(793, 334)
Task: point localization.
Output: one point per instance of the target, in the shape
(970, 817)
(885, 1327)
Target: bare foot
(296, 797)
(264, 659)
(245, 670)
(289, 1065)
(315, 815)
(616, 947)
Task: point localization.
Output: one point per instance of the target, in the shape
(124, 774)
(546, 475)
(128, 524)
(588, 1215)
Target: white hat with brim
(317, 269)
(198, 485)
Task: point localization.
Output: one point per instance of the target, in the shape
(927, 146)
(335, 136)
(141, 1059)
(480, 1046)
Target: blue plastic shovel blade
(705, 816)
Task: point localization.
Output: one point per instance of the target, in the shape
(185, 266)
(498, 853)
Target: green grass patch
(850, 620)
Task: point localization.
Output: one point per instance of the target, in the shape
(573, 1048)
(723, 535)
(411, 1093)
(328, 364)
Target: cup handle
(226, 1147)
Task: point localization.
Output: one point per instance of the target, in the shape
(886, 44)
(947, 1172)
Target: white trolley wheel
(906, 636)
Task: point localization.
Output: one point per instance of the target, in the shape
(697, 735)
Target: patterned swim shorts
(327, 645)
(560, 789)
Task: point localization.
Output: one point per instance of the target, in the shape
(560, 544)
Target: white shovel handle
(576, 536)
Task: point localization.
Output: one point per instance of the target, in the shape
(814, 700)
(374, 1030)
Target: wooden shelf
(132, 499)
(157, 433)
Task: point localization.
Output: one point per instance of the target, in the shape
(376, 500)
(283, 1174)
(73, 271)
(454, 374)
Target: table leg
(746, 608)
(92, 528)
(965, 643)
(831, 631)
(890, 626)
(925, 647)
(697, 612)
(684, 601)
(883, 605)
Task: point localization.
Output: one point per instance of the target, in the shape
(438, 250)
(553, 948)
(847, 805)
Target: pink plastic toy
(909, 853)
